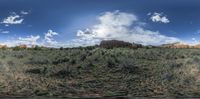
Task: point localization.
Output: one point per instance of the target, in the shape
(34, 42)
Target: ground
(97, 72)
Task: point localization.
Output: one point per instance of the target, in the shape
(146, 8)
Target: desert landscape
(99, 49)
(113, 68)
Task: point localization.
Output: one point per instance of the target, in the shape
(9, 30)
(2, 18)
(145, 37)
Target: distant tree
(90, 47)
(16, 48)
(37, 47)
(137, 45)
(61, 48)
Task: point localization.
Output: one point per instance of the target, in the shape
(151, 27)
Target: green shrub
(60, 60)
(61, 48)
(37, 47)
(16, 48)
(72, 61)
(38, 60)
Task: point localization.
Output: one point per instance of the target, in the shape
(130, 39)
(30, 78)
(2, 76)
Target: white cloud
(195, 41)
(121, 26)
(24, 12)
(13, 19)
(159, 17)
(149, 13)
(4, 31)
(49, 38)
(192, 41)
(112, 25)
(29, 40)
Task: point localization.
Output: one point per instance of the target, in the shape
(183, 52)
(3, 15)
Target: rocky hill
(117, 44)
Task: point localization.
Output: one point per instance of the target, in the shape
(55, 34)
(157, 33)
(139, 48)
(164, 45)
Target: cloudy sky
(69, 23)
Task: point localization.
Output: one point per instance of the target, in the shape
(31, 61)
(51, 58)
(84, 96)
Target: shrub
(16, 48)
(111, 63)
(19, 55)
(72, 61)
(90, 47)
(129, 66)
(34, 71)
(64, 72)
(83, 57)
(3, 56)
(37, 70)
(38, 60)
(10, 63)
(60, 60)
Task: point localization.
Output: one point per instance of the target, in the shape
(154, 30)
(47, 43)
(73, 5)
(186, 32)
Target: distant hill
(109, 44)
(176, 45)
(117, 43)
(180, 45)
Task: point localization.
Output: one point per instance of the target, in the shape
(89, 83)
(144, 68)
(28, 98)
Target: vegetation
(96, 72)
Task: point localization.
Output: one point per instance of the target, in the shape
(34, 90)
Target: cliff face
(3, 46)
(23, 46)
(180, 45)
(116, 43)
(196, 46)
(176, 45)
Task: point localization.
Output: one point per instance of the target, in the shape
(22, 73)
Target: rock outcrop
(176, 45)
(23, 46)
(116, 43)
(196, 46)
(3, 46)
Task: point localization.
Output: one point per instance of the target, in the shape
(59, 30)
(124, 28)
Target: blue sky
(71, 23)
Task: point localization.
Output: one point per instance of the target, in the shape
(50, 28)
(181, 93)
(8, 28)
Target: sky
(72, 23)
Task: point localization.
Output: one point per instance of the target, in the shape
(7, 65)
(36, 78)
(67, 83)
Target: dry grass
(98, 72)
